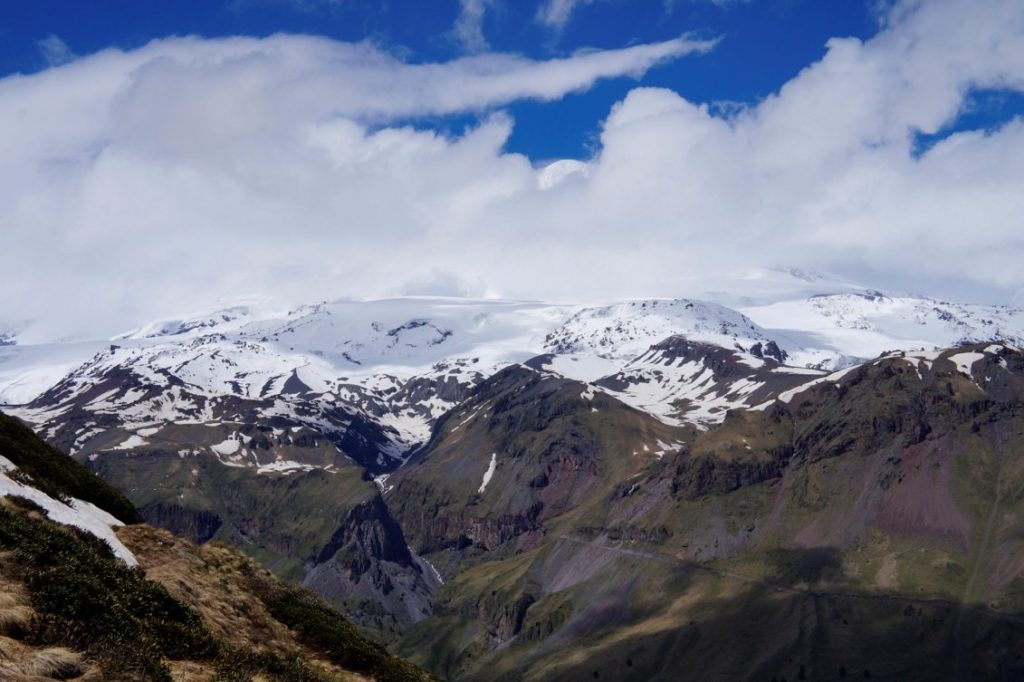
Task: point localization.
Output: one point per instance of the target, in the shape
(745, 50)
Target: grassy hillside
(70, 609)
(56, 474)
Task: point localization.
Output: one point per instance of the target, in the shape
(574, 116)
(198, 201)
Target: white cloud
(469, 24)
(55, 50)
(152, 177)
(556, 13)
(153, 182)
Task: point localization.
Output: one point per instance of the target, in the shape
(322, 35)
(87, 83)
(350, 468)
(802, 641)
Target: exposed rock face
(698, 476)
(547, 438)
(768, 350)
(367, 533)
(194, 525)
(368, 567)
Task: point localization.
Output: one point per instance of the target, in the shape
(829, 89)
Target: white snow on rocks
(84, 515)
(133, 441)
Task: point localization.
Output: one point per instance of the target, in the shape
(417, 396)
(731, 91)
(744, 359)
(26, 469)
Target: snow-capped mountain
(338, 382)
(679, 380)
(626, 330)
(834, 330)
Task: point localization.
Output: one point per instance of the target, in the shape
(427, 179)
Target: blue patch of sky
(983, 110)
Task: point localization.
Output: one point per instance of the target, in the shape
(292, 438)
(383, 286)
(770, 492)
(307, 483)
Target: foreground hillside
(144, 604)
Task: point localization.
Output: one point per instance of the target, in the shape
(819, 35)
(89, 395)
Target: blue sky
(170, 155)
(764, 42)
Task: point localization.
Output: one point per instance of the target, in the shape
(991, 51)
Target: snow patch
(78, 513)
(491, 468)
(965, 361)
(227, 447)
(133, 441)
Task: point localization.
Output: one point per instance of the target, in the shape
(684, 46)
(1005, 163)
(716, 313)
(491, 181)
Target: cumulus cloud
(150, 178)
(163, 180)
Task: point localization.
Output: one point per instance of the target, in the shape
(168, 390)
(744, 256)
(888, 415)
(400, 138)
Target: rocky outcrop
(194, 525)
(368, 534)
(695, 477)
(367, 568)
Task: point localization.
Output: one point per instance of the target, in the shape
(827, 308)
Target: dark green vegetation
(269, 516)
(322, 629)
(88, 600)
(329, 530)
(58, 475)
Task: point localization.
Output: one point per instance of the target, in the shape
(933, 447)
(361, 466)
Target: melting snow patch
(84, 515)
(382, 484)
(489, 473)
(834, 377)
(227, 447)
(134, 441)
(666, 448)
(965, 361)
(283, 466)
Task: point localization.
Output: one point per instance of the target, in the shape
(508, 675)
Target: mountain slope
(524, 450)
(683, 381)
(866, 525)
(73, 608)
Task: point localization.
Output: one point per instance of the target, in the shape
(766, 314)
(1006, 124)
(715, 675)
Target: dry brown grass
(208, 578)
(212, 579)
(189, 671)
(22, 663)
(15, 610)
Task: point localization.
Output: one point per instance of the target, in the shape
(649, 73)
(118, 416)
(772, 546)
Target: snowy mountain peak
(625, 330)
